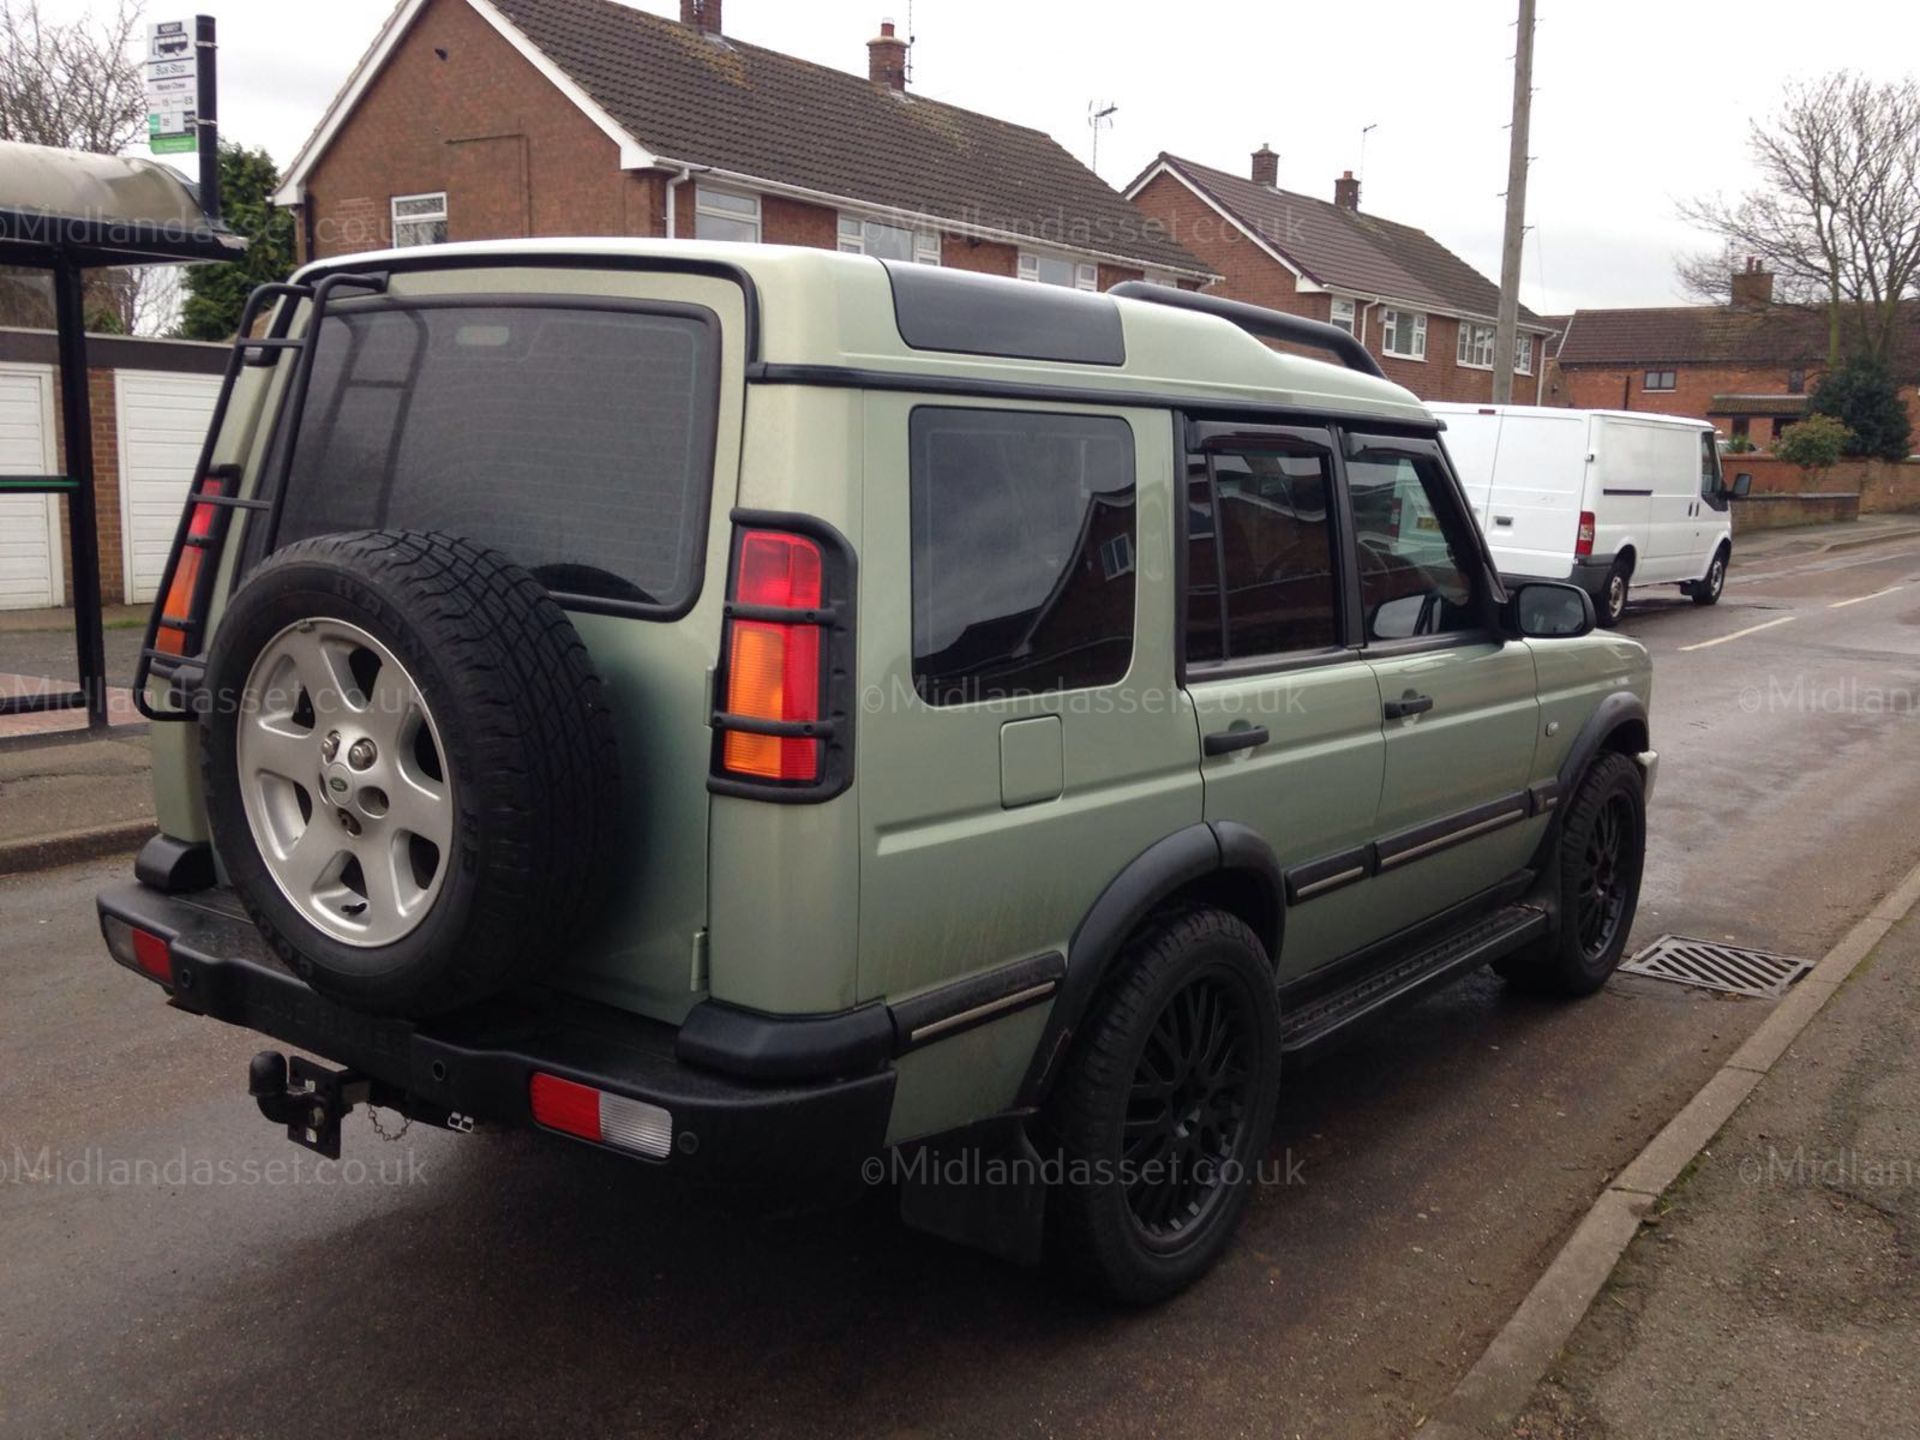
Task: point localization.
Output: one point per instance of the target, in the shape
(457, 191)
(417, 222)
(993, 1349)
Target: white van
(1605, 498)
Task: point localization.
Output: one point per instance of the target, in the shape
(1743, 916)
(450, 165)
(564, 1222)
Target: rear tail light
(178, 608)
(1583, 538)
(774, 678)
(590, 1114)
(137, 949)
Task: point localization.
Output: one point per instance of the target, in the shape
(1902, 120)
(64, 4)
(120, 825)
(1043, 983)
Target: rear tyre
(1602, 851)
(410, 767)
(1164, 1113)
(1613, 595)
(1706, 590)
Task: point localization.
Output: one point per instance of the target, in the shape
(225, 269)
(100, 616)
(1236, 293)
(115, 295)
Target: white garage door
(163, 419)
(29, 524)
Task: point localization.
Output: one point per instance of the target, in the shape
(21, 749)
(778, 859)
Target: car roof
(822, 308)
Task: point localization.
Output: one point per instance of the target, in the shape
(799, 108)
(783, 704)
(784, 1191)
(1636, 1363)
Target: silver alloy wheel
(1716, 576)
(1616, 595)
(344, 781)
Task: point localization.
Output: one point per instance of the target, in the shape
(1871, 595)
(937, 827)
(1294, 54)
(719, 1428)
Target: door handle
(1503, 520)
(1222, 742)
(1408, 704)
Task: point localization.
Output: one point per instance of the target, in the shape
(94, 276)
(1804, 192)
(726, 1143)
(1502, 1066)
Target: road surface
(519, 1285)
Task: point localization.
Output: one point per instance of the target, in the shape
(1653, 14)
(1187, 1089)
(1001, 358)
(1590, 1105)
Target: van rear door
(1533, 508)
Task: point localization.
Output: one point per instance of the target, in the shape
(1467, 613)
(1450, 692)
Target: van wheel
(1613, 595)
(1706, 590)
(410, 767)
(1603, 846)
(1164, 1112)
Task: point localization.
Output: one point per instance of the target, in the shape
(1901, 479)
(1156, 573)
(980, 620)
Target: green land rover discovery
(770, 712)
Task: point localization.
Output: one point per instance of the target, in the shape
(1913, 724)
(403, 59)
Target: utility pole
(1505, 337)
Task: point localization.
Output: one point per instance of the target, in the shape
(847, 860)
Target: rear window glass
(577, 441)
(1023, 552)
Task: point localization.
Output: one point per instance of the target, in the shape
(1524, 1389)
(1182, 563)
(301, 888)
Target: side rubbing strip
(1318, 877)
(1429, 839)
(976, 1000)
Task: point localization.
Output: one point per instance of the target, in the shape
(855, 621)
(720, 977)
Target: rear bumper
(479, 1062)
(1589, 572)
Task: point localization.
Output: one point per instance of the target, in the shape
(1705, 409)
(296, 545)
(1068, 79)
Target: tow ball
(309, 1099)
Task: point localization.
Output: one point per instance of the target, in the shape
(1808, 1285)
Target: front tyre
(1164, 1113)
(1706, 590)
(1603, 846)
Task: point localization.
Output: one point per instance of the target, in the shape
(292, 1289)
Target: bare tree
(1836, 217)
(76, 85)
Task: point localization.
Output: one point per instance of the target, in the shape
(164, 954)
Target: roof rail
(1258, 320)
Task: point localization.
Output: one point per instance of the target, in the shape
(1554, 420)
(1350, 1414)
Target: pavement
(1775, 1289)
(1420, 1182)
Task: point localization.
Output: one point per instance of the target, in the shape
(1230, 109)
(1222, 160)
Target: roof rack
(1258, 320)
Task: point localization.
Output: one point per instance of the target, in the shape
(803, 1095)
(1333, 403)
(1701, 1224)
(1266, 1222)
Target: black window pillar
(76, 416)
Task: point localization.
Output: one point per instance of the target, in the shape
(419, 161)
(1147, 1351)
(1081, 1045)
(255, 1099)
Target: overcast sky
(1639, 102)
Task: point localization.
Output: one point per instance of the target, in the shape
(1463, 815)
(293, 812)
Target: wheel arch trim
(1170, 864)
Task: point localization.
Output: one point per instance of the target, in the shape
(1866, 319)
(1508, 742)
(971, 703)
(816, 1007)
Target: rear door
(1533, 514)
(1458, 703)
(1289, 712)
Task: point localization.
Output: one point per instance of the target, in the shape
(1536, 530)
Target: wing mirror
(1742, 483)
(1548, 610)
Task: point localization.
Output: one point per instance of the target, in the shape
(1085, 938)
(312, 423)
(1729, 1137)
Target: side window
(1709, 465)
(1260, 572)
(1023, 552)
(1414, 551)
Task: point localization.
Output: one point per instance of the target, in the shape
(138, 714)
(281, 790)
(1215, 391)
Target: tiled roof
(1762, 336)
(718, 102)
(1349, 250)
(1696, 334)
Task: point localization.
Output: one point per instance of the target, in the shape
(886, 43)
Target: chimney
(1346, 192)
(887, 58)
(1266, 165)
(701, 15)
(1753, 286)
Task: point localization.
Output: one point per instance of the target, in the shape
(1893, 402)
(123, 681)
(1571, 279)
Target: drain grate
(1714, 966)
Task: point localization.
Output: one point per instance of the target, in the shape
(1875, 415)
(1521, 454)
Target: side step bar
(1315, 1024)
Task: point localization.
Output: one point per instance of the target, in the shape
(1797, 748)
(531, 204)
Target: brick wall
(1615, 387)
(106, 485)
(1883, 486)
(514, 156)
(983, 257)
(1249, 273)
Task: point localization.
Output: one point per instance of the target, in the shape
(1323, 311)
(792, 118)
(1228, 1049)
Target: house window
(1404, 333)
(1523, 354)
(1342, 314)
(725, 214)
(420, 219)
(1050, 270)
(1659, 380)
(859, 236)
(1476, 345)
(1796, 381)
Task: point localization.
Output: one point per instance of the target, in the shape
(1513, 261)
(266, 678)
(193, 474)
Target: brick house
(478, 119)
(1748, 366)
(1423, 311)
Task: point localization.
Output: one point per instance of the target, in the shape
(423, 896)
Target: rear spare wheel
(410, 766)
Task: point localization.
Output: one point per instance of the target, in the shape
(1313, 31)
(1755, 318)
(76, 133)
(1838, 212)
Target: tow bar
(309, 1099)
